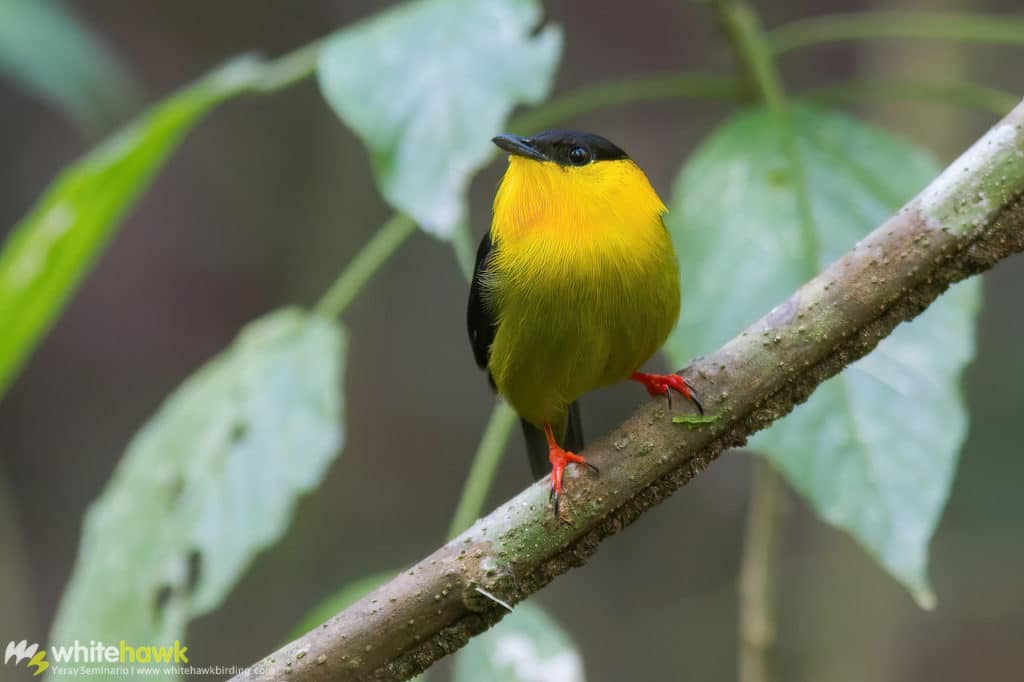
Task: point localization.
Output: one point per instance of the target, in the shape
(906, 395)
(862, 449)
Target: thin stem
(365, 264)
(743, 28)
(625, 91)
(290, 68)
(959, 26)
(966, 95)
(484, 467)
(762, 550)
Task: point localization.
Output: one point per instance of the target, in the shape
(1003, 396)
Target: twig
(967, 27)
(963, 95)
(968, 219)
(643, 88)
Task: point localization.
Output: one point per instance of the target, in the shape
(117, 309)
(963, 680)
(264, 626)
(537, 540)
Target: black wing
(480, 320)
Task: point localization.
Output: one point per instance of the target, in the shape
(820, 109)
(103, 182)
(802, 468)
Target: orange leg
(662, 384)
(559, 458)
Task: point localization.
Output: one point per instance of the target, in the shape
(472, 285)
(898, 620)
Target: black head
(564, 147)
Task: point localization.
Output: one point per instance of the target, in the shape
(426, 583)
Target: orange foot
(660, 384)
(559, 458)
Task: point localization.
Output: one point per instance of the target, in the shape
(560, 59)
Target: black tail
(537, 444)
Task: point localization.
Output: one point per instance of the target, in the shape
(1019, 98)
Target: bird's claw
(664, 384)
(559, 460)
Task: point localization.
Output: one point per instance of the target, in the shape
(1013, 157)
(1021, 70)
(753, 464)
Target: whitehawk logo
(22, 650)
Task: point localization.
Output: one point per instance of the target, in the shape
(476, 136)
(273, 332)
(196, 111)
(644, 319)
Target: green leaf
(46, 48)
(527, 645)
(692, 421)
(210, 481)
(874, 449)
(428, 122)
(51, 249)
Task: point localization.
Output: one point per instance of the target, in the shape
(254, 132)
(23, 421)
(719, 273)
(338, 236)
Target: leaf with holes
(51, 249)
(428, 122)
(527, 645)
(210, 481)
(45, 47)
(874, 449)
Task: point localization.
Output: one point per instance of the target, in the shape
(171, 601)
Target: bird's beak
(520, 146)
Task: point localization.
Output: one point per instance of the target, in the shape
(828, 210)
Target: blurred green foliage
(46, 48)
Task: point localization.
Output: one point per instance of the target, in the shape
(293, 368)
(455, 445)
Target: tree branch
(968, 219)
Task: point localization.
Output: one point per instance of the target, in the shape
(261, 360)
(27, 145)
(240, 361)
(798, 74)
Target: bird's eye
(578, 156)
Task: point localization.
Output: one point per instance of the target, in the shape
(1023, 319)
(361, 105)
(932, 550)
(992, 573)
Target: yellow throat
(583, 280)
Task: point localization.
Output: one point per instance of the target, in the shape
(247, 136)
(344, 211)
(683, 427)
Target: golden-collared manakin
(576, 285)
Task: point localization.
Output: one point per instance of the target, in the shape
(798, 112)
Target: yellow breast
(583, 280)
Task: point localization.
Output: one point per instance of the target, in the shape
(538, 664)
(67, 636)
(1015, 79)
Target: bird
(575, 287)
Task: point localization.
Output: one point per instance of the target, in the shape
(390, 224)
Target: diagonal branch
(968, 219)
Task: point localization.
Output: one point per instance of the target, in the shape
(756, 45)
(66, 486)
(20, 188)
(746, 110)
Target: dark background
(270, 196)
